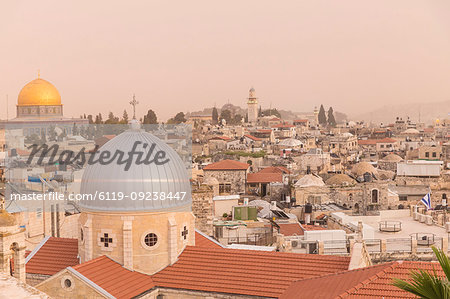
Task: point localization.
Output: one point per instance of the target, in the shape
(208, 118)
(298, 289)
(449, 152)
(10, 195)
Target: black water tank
(308, 208)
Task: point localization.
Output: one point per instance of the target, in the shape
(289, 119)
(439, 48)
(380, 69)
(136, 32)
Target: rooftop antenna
(134, 103)
(39, 74)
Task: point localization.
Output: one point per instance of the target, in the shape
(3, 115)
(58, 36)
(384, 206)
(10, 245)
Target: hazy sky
(186, 55)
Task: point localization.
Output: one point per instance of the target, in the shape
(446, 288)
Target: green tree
(112, 119)
(90, 119)
(322, 116)
(272, 112)
(429, 285)
(331, 119)
(125, 116)
(177, 119)
(75, 130)
(150, 118)
(237, 119)
(226, 115)
(260, 113)
(215, 115)
(43, 137)
(98, 119)
(52, 133)
(32, 139)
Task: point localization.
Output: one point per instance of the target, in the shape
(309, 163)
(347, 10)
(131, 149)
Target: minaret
(252, 105)
(316, 116)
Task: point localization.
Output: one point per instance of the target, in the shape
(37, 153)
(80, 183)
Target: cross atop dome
(134, 103)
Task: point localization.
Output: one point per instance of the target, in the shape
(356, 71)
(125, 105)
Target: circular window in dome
(150, 239)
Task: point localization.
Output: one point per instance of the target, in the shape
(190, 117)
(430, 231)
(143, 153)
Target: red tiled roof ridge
(380, 274)
(336, 278)
(52, 255)
(227, 164)
(114, 278)
(382, 266)
(102, 257)
(197, 269)
(271, 253)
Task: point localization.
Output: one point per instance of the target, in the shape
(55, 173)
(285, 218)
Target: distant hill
(429, 112)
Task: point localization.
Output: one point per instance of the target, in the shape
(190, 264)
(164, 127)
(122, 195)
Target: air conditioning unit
(294, 244)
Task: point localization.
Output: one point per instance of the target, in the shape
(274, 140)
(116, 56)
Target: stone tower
(316, 116)
(12, 246)
(252, 105)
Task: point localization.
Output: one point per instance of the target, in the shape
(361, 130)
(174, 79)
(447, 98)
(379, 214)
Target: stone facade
(230, 181)
(121, 236)
(202, 207)
(56, 287)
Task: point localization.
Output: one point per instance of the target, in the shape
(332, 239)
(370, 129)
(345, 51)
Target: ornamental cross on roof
(134, 103)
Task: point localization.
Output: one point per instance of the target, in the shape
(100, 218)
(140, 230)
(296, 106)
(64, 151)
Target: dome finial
(134, 103)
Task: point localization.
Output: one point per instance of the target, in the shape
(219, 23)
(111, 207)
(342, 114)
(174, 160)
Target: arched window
(374, 195)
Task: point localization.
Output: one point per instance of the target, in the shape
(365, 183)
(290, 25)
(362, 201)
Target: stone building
(389, 162)
(314, 161)
(311, 189)
(231, 175)
(12, 246)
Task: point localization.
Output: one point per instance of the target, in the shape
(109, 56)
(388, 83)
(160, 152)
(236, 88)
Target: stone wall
(236, 178)
(185, 294)
(34, 279)
(55, 287)
(202, 207)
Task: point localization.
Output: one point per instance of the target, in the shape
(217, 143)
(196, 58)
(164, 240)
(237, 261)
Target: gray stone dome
(167, 180)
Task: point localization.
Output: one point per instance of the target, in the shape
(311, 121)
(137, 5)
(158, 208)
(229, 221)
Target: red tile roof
(300, 121)
(283, 126)
(20, 152)
(114, 278)
(225, 138)
(203, 241)
(54, 255)
(367, 142)
(252, 137)
(227, 165)
(262, 177)
(265, 131)
(275, 169)
(290, 229)
(371, 282)
(332, 285)
(245, 272)
(375, 141)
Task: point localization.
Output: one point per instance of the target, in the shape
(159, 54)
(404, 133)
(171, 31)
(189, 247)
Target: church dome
(6, 219)
(39, 92)
(164, 187)
(310, 180)
(361, 168)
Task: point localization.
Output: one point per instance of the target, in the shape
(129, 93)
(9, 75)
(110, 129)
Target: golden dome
(39, 92)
